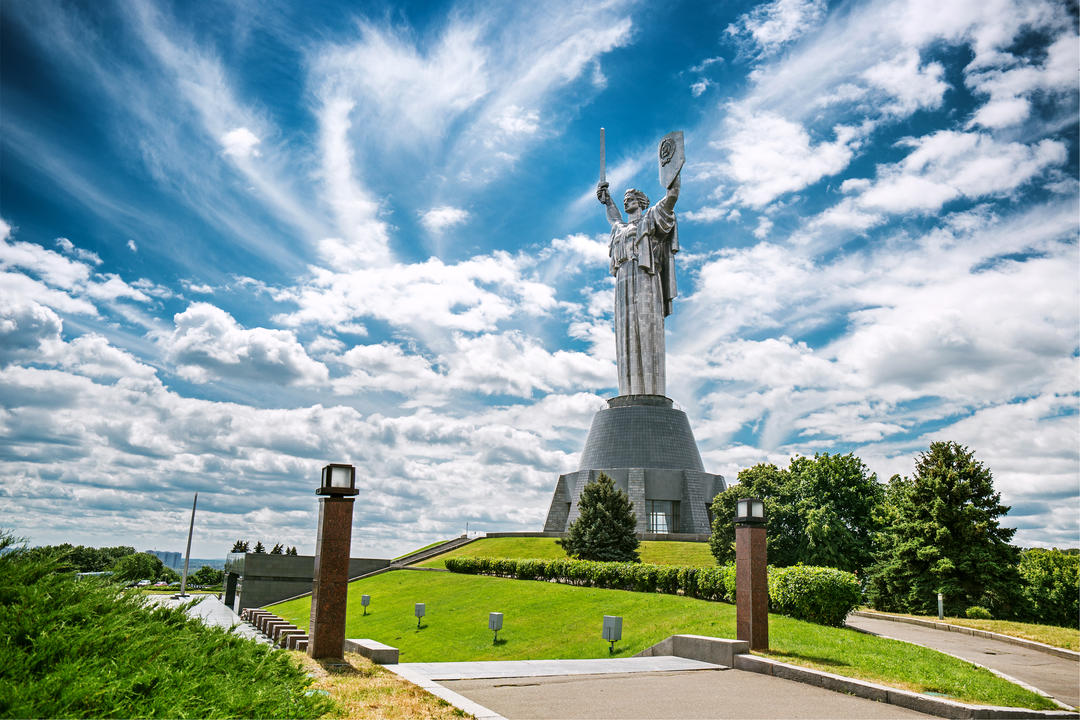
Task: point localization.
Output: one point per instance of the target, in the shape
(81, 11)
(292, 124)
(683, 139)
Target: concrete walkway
(214, 612)
(648, 687)
(1055, 676)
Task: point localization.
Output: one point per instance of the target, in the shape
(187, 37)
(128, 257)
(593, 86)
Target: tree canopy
(137, 566)
(819, 511)
(942, 534)
(604, 529)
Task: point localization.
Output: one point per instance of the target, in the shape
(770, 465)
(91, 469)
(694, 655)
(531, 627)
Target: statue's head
(635, 194)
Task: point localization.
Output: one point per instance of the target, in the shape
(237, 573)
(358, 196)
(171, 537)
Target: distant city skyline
(239, 241)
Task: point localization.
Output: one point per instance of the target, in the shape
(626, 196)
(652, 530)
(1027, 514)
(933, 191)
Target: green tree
(605, 526)
(259, 548)
(943, 535)
(278, 550)
(169, 575)
(138, 566)
(292, 551)
(819, 511)
(1051, 586)
(240, 546)
(207, 575)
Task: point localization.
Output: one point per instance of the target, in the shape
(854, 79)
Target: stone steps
(279, 632)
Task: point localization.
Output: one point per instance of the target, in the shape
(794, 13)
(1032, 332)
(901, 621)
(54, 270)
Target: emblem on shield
(671, 156)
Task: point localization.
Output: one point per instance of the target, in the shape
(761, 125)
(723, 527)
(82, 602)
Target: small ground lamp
(612, 630)
(365, 600)
(495, 623)
(751, 577)
(419, 611)
(329, 588)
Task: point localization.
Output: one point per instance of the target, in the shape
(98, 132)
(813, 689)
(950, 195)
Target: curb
(881, 693)
(1030, 644)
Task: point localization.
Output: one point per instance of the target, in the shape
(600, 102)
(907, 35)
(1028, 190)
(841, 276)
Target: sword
(603, 162)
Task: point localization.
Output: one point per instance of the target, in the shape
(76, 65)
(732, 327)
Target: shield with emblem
(671, 157)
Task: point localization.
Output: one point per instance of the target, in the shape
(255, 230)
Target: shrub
(1051, 586)
(83, 647)
(977, 613)
(604, 530)
(817, 594)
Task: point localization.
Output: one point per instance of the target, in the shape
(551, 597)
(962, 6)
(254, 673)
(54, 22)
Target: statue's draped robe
(642, 263)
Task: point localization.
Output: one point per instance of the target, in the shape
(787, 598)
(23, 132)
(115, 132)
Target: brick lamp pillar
(751, 577)
(329, 587)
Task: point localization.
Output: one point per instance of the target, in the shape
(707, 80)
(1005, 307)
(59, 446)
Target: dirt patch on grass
(363, 689)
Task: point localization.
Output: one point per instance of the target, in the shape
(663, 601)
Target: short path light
(612, 630)
(751, 575)
(419, 614)
(495, 623)
(330, 584)
(365, 600)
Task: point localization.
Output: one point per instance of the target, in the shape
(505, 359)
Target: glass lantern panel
(340, 477)
(743, 508)
(759, 509)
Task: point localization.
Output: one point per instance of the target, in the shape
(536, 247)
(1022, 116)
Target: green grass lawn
(549, 620)
(657, 552)
(1062, 637)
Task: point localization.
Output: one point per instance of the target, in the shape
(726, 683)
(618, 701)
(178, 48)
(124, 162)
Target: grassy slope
(657, 552)
(1062, 637)
(547, 620)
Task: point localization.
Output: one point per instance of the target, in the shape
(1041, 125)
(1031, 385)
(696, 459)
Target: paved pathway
(214, 612)
(1055, 676)
(629, 688)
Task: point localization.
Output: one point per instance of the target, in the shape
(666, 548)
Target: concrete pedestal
(647, 447)
(751, 586)
(329, 588)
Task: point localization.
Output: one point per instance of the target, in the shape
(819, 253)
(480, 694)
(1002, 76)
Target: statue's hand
(602, 193)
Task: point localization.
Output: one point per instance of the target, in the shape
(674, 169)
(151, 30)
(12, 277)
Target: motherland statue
(642, 251)
(640, 440)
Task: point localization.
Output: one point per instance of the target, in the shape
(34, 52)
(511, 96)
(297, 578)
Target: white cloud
(438, 219)
(698, 88)
(947, 164)
(473, 295)
(28, 332)
(912, 87)
(769, 155)
(208, 343)
(85, 255)
(774, 24)
(1012, 84)
(132, 246)
(582, 250)
(240, 142)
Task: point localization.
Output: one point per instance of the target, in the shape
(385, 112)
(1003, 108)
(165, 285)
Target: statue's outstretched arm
(602, 194)
(672, 193)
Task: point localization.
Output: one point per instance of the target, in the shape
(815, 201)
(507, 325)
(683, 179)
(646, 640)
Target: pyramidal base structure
(646, 445)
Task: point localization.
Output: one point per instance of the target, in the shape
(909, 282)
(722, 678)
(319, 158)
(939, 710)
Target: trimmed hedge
(818, 594)
(821, 595)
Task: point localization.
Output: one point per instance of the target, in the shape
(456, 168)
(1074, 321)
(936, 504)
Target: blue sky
(241, 240)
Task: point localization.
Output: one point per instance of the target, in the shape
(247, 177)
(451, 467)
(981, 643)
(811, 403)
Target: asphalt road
(1055, 676)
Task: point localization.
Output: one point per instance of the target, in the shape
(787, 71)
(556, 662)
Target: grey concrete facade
(647, 447)
(259, 579)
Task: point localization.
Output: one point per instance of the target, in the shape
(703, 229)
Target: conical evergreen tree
(259, 547)
(942, 535)
(604, 529)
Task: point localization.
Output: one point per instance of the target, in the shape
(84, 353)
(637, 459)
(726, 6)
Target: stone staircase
(280, 633)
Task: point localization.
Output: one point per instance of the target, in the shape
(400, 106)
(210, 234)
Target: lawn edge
(963, 629)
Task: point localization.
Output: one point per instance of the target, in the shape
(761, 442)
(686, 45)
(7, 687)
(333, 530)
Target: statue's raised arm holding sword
(642, 251)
